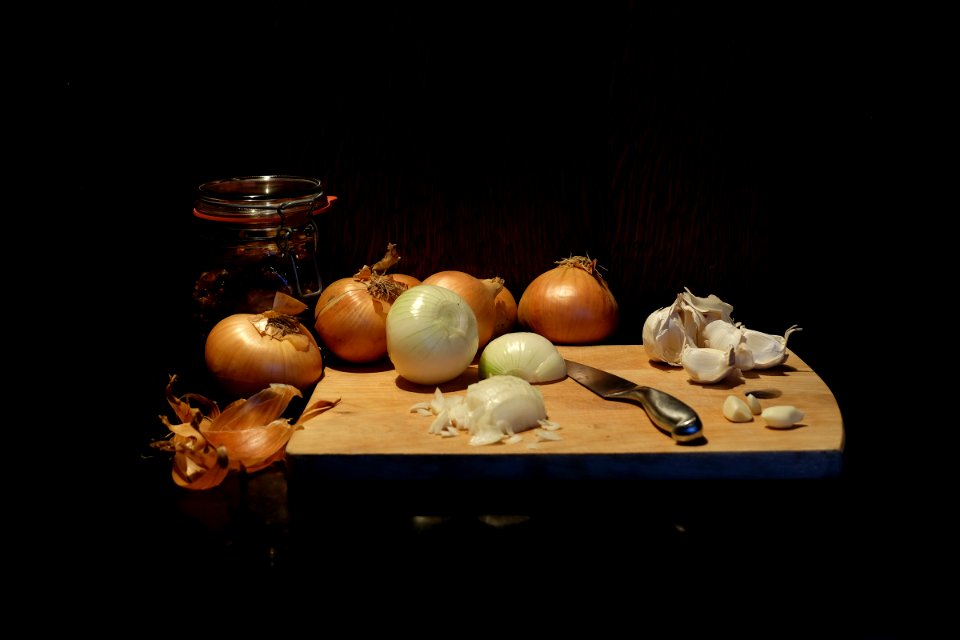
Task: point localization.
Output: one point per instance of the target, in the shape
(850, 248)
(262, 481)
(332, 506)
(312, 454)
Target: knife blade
(667, 413)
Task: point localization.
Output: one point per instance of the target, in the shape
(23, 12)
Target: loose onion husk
(480, 294)
(350, 316)
(570, 304)
(247, 352)
(249, 435)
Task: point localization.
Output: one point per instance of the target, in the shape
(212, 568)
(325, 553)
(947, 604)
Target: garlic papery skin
(768, 350)
(712, 307)
(781, 416)
(707, 366)
(736, 410)
(664, 334)
(754, 403)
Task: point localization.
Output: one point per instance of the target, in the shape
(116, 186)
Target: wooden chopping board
(372, 434)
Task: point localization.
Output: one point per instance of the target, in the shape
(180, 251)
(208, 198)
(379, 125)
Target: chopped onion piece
(546, 435)
(493, 410)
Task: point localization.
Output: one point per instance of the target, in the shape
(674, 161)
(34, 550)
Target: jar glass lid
(260, 199)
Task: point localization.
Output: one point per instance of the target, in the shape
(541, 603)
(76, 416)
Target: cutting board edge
(718, 465)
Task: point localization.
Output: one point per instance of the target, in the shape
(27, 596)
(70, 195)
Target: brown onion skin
(243, 362)
(351, 322)
(506, 313)
(406, 279)
(479, 294)
(568, 305)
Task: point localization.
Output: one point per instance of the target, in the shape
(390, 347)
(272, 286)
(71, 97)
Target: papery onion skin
(480, 294)
(431, 334)
(505, 306)
(244, 361)
(523, 354)
(407, 279)
(351, 322)
(350, 315)
(569, 304)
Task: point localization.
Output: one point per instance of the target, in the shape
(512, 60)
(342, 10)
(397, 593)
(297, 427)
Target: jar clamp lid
(261, 200)
(261, 235)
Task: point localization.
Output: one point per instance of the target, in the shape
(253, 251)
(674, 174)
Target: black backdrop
(739, 153)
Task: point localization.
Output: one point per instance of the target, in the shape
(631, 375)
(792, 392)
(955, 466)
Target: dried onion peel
(248, 435)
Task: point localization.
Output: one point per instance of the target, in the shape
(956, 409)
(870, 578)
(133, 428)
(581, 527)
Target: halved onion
(525, 355)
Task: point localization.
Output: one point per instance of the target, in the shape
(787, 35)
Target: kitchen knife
(667, 412)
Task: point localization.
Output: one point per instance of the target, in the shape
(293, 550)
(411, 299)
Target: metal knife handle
(668, 413)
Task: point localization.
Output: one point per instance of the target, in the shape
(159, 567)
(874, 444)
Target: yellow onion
(506, 313)
(479, 294)
(350, 316)
(570, 304)
(247, 352)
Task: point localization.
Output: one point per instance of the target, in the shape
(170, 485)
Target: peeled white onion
(431, 334)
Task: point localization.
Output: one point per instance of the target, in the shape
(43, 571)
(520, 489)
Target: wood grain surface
(372, 433)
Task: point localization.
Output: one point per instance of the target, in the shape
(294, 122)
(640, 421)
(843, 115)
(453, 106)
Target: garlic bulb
(767, 350)
(706, 365)
(706, 323)
(754, 403)
(736, 410)
(781, 416)
(668, 330)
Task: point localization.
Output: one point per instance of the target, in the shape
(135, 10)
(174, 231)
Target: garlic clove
(736, 410)
(718, 334)
(754, 403)
(768, 350)
(707, 366)
(781, 416)
(744, 357)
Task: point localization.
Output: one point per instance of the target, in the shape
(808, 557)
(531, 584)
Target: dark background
(754, 155)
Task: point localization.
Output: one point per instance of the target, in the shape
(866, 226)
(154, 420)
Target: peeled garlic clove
(664, 334)
(754, 403)
(781, 416)
(736, 410)
(706, 366)
(768, 350)
(712, 307)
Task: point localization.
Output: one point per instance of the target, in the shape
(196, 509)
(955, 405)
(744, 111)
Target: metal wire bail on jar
(259, 235)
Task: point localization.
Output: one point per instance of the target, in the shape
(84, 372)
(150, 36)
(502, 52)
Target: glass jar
(258, 235)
